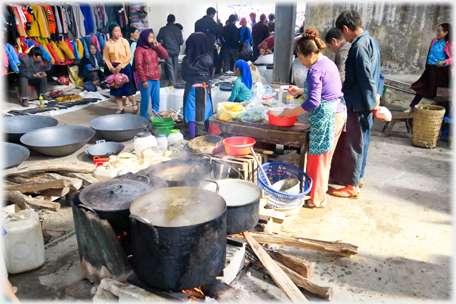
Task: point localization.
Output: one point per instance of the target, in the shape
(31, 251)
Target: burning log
(278, 275)
(225, 293)
(342, 249)
(301, 267)
(24, 201)
(55, 166)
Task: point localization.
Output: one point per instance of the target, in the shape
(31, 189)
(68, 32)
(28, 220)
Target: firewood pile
(41, 185)
(288, 272)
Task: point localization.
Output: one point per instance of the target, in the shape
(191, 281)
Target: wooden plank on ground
(301, 267)
(20, 199)
(53, 166)
(342, 249)
(278, 275)
(324, 292)
(28, 188)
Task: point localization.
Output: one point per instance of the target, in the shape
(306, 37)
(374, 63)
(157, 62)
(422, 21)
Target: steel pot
(170, 255)
(243, 203)
(111, 200)
(180, 172)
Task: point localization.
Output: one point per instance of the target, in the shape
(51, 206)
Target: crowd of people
(341, 97)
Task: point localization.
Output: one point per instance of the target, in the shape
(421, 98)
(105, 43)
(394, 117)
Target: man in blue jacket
(362, 88)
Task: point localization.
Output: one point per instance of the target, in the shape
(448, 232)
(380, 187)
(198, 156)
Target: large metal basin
(119, 127)
(58, 140)
(16, 126)
(14, 154)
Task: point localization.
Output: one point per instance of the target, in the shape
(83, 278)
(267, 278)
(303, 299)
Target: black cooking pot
(169, 253)
(243, 203)
(111, 200)
(180, 172)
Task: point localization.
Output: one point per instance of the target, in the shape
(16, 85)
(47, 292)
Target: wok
(16, 126)
(119, 127)
(58, 140)
(104, 149)
(15, 154)
(180, 172)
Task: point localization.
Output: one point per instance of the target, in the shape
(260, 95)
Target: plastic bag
(254, 112)
(290, 157)
(228, 111)
(117, 80)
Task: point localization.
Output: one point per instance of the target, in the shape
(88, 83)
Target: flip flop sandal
(344, 193)
(120, 111)
(361, 183)
(135, 111)
(312, 205)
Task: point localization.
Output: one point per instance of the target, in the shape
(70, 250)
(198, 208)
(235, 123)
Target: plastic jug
(174, 136)
(23, 245)
(162, 141)
(176, 99)
(143, 140)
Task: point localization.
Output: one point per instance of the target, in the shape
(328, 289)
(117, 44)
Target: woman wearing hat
(117, 55)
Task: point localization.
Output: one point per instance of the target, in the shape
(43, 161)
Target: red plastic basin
(282, 122)
(238, 145)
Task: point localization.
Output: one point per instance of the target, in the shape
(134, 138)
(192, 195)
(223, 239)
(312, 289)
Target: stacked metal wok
(41, 134)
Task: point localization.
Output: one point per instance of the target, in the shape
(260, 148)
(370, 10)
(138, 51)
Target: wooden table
(295, 136)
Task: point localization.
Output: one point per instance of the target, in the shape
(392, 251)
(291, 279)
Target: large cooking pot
(178, 237)
(180, 172)
(111, 200)
(243, 203)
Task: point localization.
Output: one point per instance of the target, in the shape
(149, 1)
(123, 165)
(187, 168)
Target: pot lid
(144, 134)
(113, 194)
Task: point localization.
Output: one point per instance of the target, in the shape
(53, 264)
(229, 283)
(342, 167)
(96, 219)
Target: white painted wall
(186, 14)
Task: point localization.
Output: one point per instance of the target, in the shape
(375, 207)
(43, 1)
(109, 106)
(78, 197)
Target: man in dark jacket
(31, 71)
(170, 37)
(211, 29)
(362, 88)
(340, 47)
(271, 23)
(260, 31)
(231, 44)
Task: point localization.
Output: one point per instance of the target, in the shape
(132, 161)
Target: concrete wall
(404, 31)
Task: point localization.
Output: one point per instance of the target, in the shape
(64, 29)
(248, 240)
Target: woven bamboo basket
(427, 121)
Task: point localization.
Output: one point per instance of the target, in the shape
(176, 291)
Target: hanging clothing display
(63, 31)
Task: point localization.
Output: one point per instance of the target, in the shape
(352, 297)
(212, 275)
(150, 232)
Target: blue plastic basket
(278, 171)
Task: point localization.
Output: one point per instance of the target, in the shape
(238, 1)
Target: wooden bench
(405, 117)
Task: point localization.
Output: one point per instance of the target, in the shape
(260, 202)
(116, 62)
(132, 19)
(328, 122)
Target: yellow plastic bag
(74, 78)
(228, 111)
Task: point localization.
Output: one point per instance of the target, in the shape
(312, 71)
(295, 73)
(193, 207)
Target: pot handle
(82, 206)
(143, 176)
(100, 141)
(211, 181)
(136, 218)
